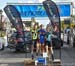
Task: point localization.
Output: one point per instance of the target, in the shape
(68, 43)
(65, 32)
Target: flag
(52, 13)
(15, 18)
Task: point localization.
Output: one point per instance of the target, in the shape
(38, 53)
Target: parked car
(56, 41)
(20, 46)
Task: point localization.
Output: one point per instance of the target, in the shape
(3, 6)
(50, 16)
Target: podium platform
(56, 62)
(30, 62)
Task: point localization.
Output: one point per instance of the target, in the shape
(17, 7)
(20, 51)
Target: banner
(15, 18)
(37, 10)
(54, 16)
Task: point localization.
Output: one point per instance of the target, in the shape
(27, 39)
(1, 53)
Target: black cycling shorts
(48, 43)
(34, 42)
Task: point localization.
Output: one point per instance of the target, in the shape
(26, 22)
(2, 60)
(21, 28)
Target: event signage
(39, 11)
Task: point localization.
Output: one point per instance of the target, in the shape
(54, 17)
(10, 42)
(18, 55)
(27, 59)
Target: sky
(3, 3)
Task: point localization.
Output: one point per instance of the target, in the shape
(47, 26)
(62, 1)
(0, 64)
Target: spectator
(74, 36)
(68, 37)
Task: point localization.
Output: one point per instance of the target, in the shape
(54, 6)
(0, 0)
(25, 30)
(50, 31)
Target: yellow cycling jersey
(34, 34)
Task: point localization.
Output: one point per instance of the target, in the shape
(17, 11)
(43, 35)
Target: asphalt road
(68, 56)
(12, 64)
(10, 58)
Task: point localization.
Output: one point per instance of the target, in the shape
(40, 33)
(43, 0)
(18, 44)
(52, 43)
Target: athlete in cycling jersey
(41, 38)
